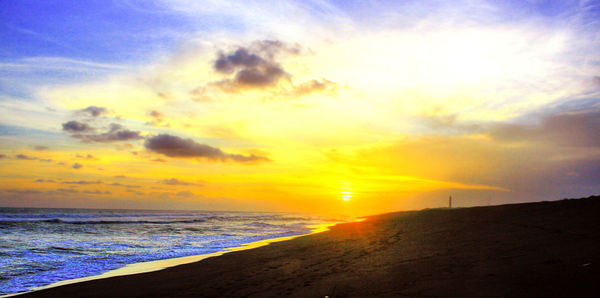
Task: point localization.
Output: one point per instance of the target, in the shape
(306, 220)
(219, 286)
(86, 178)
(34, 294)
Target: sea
(41, 246)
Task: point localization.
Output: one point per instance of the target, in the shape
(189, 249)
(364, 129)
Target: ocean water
(43, 246)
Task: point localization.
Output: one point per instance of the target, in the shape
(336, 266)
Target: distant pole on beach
(450, 202)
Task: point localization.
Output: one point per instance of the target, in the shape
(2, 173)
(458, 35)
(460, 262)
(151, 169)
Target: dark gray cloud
(25, 157)
(259, 76)
(44, 181)
(77, 166)
(82, 182)
(115, 133)
(93, 111)
(174, 146)
(40, 148)
(76, 127)
(96, 192)
(239, 58)
(125, 185)
(67, 190)
(259, 54)
(251, 67)
(256, 67)
(252, 77)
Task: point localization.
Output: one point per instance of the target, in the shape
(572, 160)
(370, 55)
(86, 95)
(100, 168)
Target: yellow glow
(372, 130)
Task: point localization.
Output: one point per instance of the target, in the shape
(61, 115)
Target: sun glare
(346, 191)
(346, 195)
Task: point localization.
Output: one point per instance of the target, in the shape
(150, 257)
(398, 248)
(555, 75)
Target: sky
(332, 107)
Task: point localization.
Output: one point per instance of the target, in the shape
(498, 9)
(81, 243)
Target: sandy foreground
(549, 249)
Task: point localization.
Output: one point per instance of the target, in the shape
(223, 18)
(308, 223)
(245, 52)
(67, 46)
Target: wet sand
(549, 249)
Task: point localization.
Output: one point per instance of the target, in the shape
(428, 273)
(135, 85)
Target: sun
(346, 195)
(346, 191)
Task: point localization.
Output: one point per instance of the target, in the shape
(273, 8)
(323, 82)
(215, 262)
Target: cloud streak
(76, 127)
(174, 146)
(175, 181)
(566, 129)
(115, 133)
(93, 111)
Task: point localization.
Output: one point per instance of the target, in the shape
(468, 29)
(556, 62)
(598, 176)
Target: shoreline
(157, 265)
(544, 249)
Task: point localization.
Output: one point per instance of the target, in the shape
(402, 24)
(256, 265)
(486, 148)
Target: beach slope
(549, 249)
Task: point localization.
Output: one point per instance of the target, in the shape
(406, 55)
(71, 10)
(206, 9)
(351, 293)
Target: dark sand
(549, 249)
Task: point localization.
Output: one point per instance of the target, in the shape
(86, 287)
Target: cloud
(252, 56)
(88, 157)
(185, 194)
(252, 67)
(580, 129)
(239, 58)
(115, 133)
(25, 157)
(125, 185)
(22, 191)
(77, 166)
(174, 146)
(139, 193)
(157, 116)
(76, 127)
(259, 77)
(93, 111)
(67, 190)
(40, 148)
(255, 67)
(322, 85)
(96, 192)
(2, 156)
(175, 181)
(82, 182)
(159, 160)
(44, 181)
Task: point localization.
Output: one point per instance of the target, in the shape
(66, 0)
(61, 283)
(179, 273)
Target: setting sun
(346, 195)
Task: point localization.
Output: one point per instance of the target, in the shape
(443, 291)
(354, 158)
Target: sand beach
(549, 249)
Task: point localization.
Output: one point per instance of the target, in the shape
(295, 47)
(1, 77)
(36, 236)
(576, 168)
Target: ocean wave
(100, 222)
(48, 245)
